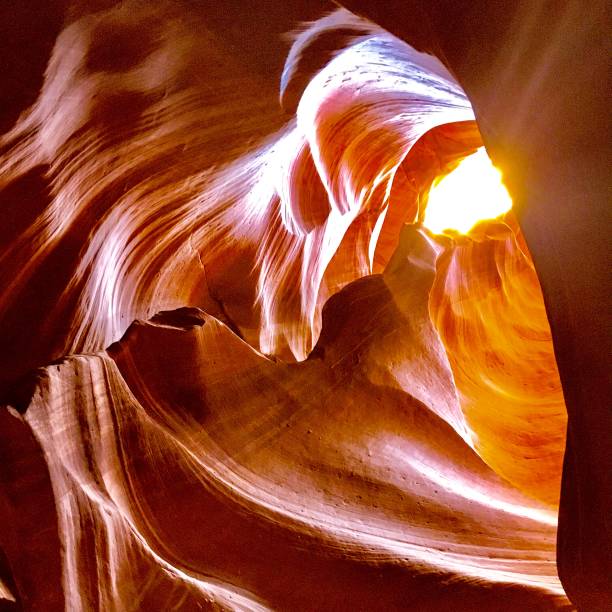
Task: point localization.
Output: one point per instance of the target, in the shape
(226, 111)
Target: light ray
(472, 192)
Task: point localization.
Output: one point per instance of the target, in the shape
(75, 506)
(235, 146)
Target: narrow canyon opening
(273, 335)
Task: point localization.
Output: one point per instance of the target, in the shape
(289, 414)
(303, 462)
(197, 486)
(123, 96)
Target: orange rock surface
(261, 382)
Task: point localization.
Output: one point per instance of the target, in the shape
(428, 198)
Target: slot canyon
(305, 305)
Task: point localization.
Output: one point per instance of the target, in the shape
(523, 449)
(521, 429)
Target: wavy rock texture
(350, 414)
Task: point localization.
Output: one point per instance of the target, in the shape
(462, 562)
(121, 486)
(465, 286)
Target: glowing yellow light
(472, 192)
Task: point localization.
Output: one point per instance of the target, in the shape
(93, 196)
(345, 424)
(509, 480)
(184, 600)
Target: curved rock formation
(273, 388)
(534, 73)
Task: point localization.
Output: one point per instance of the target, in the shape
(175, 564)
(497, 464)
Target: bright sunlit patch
(472, 192)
